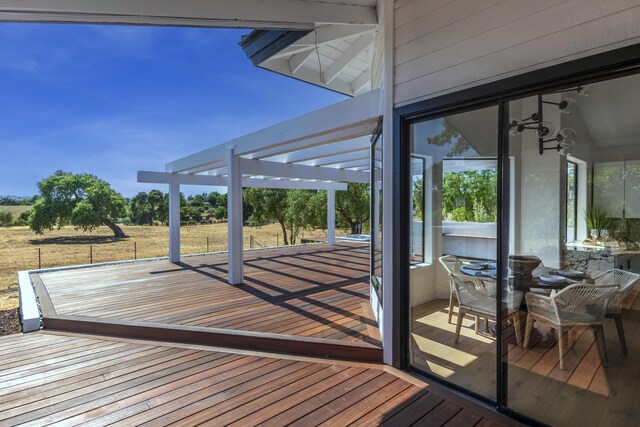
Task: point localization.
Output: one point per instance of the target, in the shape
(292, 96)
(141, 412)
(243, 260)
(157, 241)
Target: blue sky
(112, 100)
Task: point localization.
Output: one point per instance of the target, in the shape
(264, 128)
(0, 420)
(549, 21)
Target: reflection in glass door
(453, 304)
(572, 360)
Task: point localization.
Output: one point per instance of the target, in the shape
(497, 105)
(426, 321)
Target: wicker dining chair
(452, 264)
(625, 280)
(480, 301)
(577, 304)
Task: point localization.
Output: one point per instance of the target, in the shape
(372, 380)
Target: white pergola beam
(363, 42)
(292, 185)
(353, 164)
(238, 13)
(337, 159)
(357, 131)
(325, 35)
(221, 181)
(235, 220)
(351, 113)
(286, 170)
(317, 153)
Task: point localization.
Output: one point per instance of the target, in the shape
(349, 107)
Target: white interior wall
(541, 188)
(442, 46)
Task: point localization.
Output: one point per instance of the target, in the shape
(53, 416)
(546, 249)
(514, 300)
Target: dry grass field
(15, 210)
(20, 248)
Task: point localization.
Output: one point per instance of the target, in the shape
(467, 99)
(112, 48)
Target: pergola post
(234, 213)
(331, 217)
(174, 222)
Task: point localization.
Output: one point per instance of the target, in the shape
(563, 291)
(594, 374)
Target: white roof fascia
(239, 13)
(351, 113)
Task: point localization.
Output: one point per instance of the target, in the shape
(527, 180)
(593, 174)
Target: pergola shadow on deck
(308, 300)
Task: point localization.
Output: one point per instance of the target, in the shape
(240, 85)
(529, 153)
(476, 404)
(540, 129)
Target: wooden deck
(69, 379)
(584, 393)
(292, 300)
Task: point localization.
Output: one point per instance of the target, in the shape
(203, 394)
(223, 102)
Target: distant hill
(16, 197)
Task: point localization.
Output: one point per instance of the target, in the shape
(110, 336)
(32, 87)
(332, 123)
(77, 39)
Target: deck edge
(29, 310)
(226, 338)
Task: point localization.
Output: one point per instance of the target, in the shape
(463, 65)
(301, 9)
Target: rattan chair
(452, 264)
(480, 301)
(577, 304)
(625, 280)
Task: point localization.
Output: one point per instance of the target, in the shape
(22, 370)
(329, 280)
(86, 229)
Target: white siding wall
(442, 46)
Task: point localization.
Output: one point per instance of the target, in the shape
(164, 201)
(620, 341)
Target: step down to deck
(243, 340)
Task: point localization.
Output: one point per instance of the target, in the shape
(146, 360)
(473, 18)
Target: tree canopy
(294, 210)
(353, 207)
(81, 200)
(470, 196)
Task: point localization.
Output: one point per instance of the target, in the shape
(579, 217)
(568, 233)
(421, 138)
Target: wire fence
(45, 256)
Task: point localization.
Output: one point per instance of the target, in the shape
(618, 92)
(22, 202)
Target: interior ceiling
(610, 116)
(611, 113)
(479, 128)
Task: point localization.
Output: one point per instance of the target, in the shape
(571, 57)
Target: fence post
(250, 241)
(207, 244)
(135, 250)
(39, 259)
(90, 254)
(277, 239)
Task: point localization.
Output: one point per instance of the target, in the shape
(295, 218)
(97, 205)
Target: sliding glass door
(453, 248)
(523, 251)
(571, 358)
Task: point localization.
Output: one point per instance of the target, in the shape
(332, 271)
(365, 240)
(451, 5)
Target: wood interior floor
(70, 379)
(584, 393)
(315, 291)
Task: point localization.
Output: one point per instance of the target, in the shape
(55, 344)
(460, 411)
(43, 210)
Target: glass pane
(376, 214)
(565, 357)
(453, 248)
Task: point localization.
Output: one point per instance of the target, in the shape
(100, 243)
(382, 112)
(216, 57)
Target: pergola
(321, 150)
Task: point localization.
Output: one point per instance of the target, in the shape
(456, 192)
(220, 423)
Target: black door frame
(603, 66)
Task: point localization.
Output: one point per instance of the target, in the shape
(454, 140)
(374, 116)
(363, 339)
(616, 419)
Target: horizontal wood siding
(442, 46)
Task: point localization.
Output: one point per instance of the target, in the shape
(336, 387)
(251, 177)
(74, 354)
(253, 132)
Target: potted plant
(596, 218)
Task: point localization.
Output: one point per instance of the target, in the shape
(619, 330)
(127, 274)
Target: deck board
(308, 291)
(157, 384)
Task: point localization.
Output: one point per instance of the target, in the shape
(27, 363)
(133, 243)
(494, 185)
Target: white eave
(335, 56)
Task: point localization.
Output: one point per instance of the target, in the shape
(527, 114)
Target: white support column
(390, 329)
(234, 208)
(174, 222)
(331, 217)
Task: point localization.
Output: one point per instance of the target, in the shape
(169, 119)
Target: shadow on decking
(312, 295)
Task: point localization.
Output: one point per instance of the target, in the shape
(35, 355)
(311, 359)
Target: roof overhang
(334, 56)
(289, 14)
